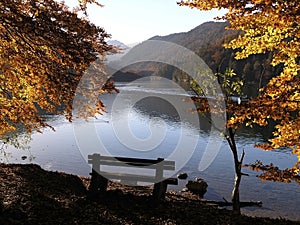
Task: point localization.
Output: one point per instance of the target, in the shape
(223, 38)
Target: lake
(153, 119)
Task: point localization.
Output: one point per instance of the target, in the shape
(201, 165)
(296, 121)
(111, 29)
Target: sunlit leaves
(83, 4)
(273, 173)
(45, 48)
(267, 26)
(230, 83)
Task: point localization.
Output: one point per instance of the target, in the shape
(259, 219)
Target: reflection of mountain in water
(157, 107)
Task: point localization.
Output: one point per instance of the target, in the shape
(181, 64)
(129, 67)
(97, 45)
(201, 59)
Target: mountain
(122, 48)
(133, 44)
(117, 44)
(206, 40)
(198, 37)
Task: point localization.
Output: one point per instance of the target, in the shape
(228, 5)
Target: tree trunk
(235, 197)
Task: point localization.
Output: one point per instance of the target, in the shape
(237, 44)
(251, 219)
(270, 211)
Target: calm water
(153, 120)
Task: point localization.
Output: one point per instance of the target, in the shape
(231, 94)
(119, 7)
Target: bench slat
(130, 162)
(130, 177)
(134, 177)
(141, 166)
(126, 159)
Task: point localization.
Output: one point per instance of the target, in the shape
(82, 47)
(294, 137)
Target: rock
(182, 176)
(199, 179)
(185, 189)
(198, 186)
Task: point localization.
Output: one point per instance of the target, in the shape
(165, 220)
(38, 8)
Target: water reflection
(157, 107)
(59, 150)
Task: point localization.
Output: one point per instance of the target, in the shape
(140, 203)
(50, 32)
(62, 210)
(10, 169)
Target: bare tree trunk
(235, 197)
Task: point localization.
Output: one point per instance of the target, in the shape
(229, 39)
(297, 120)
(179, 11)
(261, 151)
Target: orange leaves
(44, 51)
(268, 26)
(273, 173)
(83, 4)
(287, 134)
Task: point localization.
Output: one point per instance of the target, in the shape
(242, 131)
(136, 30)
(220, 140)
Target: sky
(133, 21)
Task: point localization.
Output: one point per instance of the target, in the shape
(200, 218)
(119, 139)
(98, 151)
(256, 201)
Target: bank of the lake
(154, 123)
(31, 195)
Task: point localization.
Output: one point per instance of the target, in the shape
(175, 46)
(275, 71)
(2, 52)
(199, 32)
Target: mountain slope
(197, 37)
(207, 40)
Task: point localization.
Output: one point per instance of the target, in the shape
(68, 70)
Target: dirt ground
(31, 195)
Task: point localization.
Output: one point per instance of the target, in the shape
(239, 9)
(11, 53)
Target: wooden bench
(99, 179)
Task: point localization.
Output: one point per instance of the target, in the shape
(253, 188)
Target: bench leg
(98, 183)
(159, 190)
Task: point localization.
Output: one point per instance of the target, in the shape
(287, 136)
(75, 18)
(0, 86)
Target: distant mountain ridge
(206, 40)
(118, 44)
(123, 50)
(197, 37)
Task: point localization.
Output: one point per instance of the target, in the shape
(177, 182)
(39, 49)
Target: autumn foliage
(267, 26)
(45, 49)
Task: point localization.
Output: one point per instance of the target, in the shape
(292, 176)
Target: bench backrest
(159, 164)
(130, 162)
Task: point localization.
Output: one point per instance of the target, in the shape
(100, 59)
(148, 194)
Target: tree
(45, 48)
(231, 85)
(267, 26)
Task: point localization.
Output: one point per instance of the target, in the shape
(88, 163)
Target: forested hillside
(207, 41)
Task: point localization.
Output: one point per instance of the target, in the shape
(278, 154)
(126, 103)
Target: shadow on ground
(31, 195)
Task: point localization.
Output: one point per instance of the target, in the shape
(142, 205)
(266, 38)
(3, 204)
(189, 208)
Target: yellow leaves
(266, 2)
(268, 26)
(273, 173)
(295, 97)
(288, 135)
(38, 51)
(200, 5)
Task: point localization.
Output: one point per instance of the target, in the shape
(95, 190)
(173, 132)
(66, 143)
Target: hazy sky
(131, 21)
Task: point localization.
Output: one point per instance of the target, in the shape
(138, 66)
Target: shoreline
(32, 195)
